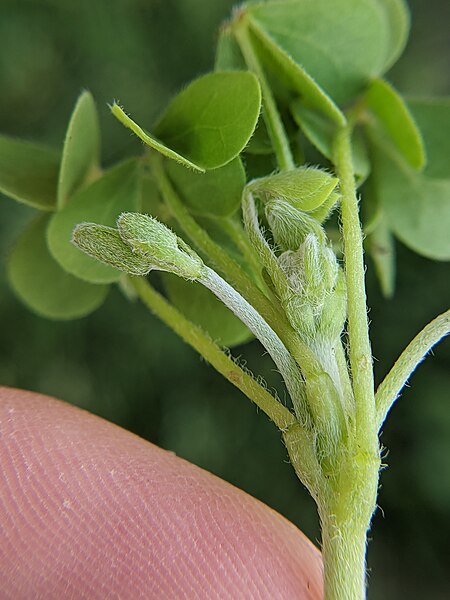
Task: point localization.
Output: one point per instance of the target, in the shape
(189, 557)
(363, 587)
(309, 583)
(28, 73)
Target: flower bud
(305, 188)
(289, 225)
(311, 273)
(160, 245)
(105, 244)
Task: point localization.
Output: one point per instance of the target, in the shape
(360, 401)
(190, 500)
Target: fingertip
(90, 510)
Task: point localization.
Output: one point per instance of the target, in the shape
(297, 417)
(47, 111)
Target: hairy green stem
(345, 519)
(360, 353)
(271, 115)
(347, 506)
(263, 332)
(407, 362)
(195, 337)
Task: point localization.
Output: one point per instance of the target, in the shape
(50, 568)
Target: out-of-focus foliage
(120, 362)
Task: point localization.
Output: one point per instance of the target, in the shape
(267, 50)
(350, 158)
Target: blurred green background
(124, 365)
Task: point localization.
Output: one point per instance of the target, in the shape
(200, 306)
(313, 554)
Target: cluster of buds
(312, 289)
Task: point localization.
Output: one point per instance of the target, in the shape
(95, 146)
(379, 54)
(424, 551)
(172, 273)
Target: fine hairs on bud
(305, 188)
(312, 274)
(105, 244)
(290, 226)
(148, 237)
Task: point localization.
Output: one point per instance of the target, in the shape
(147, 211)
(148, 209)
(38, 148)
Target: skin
(89, 510)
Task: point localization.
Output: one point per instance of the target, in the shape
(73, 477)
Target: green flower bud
(159, 245)
(311, 273)
(290, 226)
(305, 188)
(105, 244)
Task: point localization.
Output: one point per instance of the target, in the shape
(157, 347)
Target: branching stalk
(407, 362)
(195, 337)
(261, 330)
(233, 271)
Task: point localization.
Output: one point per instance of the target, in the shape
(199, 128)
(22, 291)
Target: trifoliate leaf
(151, 140)
(398, 19)
(292, 74)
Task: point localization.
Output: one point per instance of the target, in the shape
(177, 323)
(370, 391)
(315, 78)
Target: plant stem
(346, 509)
(344, 551)
(408, 360)
(263, 332)
(195, 337)
(271, 115)
(360, 353)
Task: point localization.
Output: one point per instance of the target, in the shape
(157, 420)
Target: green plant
(323, 103)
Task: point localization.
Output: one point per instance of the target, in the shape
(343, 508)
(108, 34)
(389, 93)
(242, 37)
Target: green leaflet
(396, 121)
(28, 173)
(81, 150)
(151, 141)
(102, 202)
(215, 193)
(42, 284)
(212, 120)
(417, 207)
(341, 44)
(398, 21)
(433, 118)
(207, 124)
(293, 75)
(200, 306)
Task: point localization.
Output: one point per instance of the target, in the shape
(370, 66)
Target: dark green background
(123, 364)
